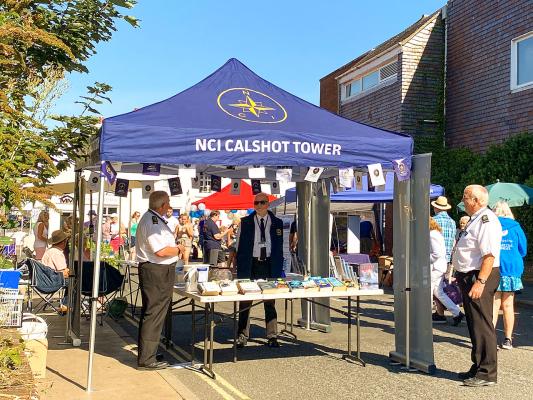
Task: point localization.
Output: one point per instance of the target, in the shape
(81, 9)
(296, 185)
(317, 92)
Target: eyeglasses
(262, 202)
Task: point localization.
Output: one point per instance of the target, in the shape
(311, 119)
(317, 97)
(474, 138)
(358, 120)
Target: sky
(291, 43)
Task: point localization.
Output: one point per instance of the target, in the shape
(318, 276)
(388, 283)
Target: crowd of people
(484, 256)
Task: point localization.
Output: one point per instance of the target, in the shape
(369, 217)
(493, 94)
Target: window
(110, 210)
(522, 61)
(205, 183)
(370, 80)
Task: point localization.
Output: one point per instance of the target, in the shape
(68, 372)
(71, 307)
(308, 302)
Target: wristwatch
(482, 281)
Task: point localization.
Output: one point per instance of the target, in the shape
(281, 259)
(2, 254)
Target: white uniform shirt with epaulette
(153, 235)
(482, 236)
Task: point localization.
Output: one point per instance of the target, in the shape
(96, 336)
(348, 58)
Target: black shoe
(477, 382)
(273, 342)
(242, 340)
(159, 357)
(457, 320)
(438, 319)
(466, 375)
(153, 366)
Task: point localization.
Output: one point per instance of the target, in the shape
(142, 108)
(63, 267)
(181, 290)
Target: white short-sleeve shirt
(482, 236)
(153, 235)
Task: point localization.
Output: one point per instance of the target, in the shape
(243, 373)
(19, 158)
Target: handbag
(453, 292)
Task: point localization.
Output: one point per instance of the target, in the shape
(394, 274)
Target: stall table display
(209, 302)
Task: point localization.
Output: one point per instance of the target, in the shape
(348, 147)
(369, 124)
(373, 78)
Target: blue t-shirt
(210, 230)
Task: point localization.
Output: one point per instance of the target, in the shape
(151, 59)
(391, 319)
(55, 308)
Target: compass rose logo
(251, 105)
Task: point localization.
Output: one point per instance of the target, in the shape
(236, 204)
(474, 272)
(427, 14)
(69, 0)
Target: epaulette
(154, 220)
(484, 218)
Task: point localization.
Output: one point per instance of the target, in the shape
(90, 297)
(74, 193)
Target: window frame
(344, 86)
(514, 63)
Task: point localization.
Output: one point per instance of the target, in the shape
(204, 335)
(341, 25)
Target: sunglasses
(262, 202)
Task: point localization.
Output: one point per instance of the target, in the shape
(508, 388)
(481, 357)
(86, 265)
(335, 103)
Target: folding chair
(45, 283)
(110, 283)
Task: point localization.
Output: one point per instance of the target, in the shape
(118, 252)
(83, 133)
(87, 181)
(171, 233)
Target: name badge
(262, 244)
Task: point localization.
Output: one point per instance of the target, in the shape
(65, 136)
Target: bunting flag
(94, 181)
(376, 174)
(256, 172)
(121, 187)
(109, 172)
(403, 173)
(313, 174)
(346, 177)
(148, 188)
(358, 175)
(284, 174)
(195, 181)
(174, 185)
(235, 187)
(216, 183)
(256, 186)
(274, 187)
(151, 169)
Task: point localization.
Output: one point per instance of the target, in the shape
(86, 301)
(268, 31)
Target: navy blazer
(246, 246)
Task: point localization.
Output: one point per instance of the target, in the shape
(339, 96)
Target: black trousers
(156, 282)
(479, 320)
(260, 270)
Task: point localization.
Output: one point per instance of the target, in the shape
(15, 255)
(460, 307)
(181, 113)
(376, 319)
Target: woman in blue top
(513, 249)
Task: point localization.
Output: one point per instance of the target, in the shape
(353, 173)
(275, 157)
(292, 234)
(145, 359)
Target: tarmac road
(311, 367)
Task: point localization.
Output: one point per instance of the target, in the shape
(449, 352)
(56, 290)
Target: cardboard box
(36, 351)
(385, 261)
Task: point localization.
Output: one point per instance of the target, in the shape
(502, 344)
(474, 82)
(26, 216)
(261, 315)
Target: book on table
(323, 284)
(310, 285)
(368, 276)
(247, 286)
(228, 288)
(350, 284)
(336, 284)
(209, 289)
(296, 285)
(269, 287)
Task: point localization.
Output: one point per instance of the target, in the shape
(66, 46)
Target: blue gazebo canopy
(234, 117)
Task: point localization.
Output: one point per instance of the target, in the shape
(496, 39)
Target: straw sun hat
(57, 237)
(441, 203)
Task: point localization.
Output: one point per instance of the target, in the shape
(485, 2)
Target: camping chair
(110, 284)
(45, 283)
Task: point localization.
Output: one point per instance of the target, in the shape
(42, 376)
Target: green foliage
(39, 43)
(510, 161)
(6, 263)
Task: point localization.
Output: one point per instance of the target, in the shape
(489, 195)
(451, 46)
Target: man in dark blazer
(260, 256)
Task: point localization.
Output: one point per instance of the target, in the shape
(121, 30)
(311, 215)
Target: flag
(148, 188)
(121, 187)
(346, 177)
(402, 171)
(235, 187)
(358, 175)
(274, 187)
(216, 183)
(256, 186)
(109, 172)
(256, 172)
(94, 181)
(376, 174)
(174, 185)
(151, 169)
(313, 174)
(284, 174)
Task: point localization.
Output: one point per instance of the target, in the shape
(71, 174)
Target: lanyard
(259, 224)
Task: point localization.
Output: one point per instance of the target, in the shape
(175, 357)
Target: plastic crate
(9, 279)
(11, 308)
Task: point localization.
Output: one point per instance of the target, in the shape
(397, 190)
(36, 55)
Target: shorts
(510, 284)
(185, 242)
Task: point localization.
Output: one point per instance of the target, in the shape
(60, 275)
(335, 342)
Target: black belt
(163, 265)
(258, 260)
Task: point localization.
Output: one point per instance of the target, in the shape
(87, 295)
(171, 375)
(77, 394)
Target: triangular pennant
(147, 188)
(235, 187)
(313, 174)
(402, 170)
(174, 185)
(358, 177)
(121, 187)
(109, 172)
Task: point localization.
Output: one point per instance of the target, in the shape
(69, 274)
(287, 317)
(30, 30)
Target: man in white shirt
(172, 221)
(477, 260)
(54, 257)
(157, 254)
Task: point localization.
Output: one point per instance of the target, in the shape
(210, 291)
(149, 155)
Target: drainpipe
(444, 14)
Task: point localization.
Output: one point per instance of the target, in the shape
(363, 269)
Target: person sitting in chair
(54, 258)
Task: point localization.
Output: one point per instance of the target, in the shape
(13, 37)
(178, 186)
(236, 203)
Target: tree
(41, 41)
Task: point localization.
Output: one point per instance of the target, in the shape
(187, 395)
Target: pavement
(310, 367)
